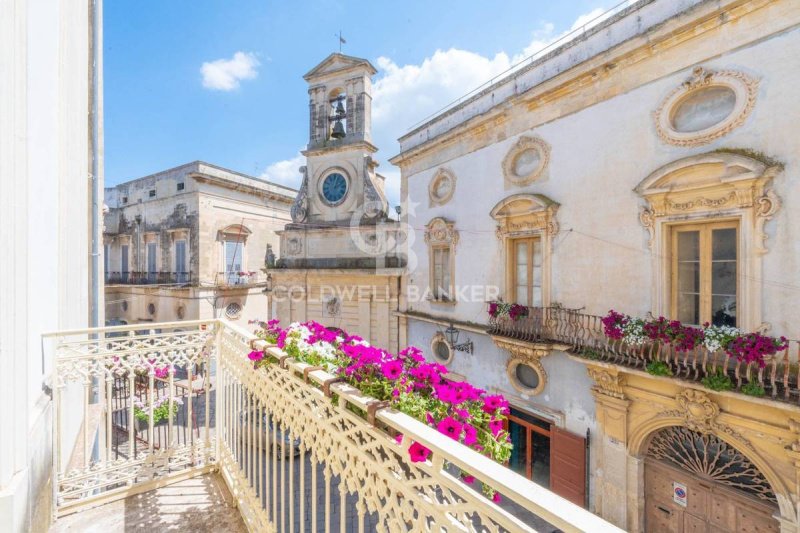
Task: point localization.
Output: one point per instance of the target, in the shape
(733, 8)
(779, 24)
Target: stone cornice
(595, 73)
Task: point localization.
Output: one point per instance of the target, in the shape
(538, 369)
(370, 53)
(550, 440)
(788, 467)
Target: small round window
(703, 109)
(124, 305)
(441, 349)
(442, 187)
(528, 377)
(151, 308)
(526, 162)
(233, 311)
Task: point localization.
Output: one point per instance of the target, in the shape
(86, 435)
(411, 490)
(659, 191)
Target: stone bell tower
(339, 179)
(342, 256)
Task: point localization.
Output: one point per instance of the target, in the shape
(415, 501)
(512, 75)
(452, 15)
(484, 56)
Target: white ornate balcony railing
(289, 440)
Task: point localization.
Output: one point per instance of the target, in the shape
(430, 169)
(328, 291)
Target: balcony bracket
(528, 354)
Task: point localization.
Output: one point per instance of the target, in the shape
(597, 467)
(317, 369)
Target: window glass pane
(689, 276)
(522, 295)
(723, 277)
(689, 308)
(124, 258)
(688, 245)
(723, 242)
(151, 257)
(180, 256)
(537, 253)
(541, 460)
(537, 297)
(522, 253)
(723, 310)
(446, 272)
(528, 417)
(233, 256)
(519, 452)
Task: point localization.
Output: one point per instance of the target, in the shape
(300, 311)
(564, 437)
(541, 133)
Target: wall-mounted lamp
(452, 337)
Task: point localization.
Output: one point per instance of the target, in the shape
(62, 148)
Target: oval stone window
(527, 376)
(703, 109)
(442, 187)
(527, 162)
(441, 349)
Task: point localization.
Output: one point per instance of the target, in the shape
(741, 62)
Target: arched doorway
(697, 482)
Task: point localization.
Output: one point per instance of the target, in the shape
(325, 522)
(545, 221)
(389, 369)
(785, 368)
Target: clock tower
(340, 181)
(342, 257)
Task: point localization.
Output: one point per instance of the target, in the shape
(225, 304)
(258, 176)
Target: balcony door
(234, 251)
(526, 271)
(547, 455)
(124, 268)
(181, 274)
(151, 262)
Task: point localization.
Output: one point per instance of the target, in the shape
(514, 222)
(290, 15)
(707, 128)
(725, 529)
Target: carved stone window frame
(524, 216)
(745, 89)
(714, 186)
(526, 143)
(441, 233)
(441, 174)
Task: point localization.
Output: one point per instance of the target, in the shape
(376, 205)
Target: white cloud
(225, 74)
(285, 172)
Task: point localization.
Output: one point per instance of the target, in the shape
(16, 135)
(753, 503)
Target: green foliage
(718, 382)
(658, 368)
(753, 389)
(591, 353)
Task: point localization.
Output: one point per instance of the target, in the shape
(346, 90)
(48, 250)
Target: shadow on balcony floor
(197, 505)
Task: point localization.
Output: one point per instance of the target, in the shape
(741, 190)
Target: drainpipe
(96, 146)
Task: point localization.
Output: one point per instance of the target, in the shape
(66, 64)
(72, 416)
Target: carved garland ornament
(699, 413)
(726, 84)
(526, 161)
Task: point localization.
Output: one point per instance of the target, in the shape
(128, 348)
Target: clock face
(334, 187)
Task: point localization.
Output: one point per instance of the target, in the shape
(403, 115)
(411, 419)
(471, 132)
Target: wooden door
(568, 465)
(708, 507)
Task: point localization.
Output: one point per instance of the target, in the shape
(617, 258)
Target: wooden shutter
(568, 465)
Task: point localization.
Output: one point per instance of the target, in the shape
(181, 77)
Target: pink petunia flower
(392, 369)
(418, 452)
(255, 355)
(470, 434)
(451, 427)
(496, 498)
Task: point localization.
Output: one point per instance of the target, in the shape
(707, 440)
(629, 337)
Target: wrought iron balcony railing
(582, 334)
(299, 449)
(240, 279)
(148, 278)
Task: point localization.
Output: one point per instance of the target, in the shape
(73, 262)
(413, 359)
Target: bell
(338, 130)
(339, 108)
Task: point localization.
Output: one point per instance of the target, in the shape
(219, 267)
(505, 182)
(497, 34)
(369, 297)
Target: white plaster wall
(600, 257)
(44, 285)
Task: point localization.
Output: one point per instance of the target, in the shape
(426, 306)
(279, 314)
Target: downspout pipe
(96, 140)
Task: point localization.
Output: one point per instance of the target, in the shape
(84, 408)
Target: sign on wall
(679, 493)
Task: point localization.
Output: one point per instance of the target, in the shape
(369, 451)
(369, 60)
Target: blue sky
(247, 108)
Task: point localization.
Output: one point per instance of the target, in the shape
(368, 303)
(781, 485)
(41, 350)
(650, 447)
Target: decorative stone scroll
(299, 209)
(707, 106)
(699, 413)
(607, 382)
(440, 231)
(524, 353)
